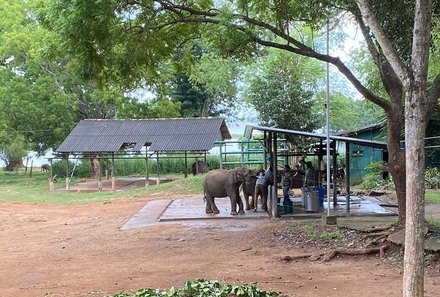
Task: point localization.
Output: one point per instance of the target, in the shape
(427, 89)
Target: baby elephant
(45, 167)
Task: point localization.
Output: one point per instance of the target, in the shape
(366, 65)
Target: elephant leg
(210, 205)
(253, 204)
(240, 204)
(264, 199)
(246, 200)
(234, 201)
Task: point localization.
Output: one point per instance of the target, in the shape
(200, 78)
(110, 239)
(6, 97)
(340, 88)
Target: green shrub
(432, 178)
(203, 288)
(374, 179)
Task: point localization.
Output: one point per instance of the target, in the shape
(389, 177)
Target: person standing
(310, 175)
(260, 190)
(287, 182)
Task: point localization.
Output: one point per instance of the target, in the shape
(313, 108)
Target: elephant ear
(234, 177)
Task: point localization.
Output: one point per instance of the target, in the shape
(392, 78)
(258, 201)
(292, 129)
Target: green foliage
(203, 288)
(193, 99)
(282, 94)
(433, 224)
(12, 152)
(432, 197)
(374, 179)
(432, 178)
(313, 232)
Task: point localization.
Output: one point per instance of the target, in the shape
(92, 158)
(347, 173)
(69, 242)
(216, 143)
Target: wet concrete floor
(193, 209)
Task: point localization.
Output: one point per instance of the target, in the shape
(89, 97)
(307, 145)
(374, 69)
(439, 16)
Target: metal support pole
(67, 174)
(113, 173)
(51, 179)
(347, 175)
(99, 176)
(186, 165)
(327, 95)
(158, 169)
(275, 212)
(335, 174)
(147, 177)
(221, 157)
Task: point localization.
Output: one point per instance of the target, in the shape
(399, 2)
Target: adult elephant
(226, 183)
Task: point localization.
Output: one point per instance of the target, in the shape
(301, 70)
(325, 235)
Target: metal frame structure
(270, 139)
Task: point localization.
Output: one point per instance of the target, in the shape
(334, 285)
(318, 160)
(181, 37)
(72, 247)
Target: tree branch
(300, 48)
(390, 54)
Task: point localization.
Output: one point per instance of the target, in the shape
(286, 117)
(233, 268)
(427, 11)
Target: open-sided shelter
(113, 138)
(271, 136)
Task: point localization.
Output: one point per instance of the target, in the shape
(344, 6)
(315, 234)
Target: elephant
(249, 190)
(45, 167)
(226, 183)
(199, 167)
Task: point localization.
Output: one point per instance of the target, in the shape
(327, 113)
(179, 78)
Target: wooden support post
(26, 166)
(113, 173)
(67, 174)
(158, 170)
(30, 169)
(51, 179)
(347, 175)
(99, 175)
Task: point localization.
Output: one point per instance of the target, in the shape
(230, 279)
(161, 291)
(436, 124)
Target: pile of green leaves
(202, 288)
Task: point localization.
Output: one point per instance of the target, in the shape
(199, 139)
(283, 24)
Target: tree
(12, 152)
(282, 96)
(398, 41)
(194, 100)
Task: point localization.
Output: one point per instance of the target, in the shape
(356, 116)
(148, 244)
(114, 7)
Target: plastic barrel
(321, 192)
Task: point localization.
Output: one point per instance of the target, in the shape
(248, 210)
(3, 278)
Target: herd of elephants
(226, 183)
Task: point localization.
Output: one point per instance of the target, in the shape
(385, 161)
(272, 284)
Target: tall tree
(282, 95)
(106, 35)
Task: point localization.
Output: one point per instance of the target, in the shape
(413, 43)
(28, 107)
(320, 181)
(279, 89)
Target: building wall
(362, 156)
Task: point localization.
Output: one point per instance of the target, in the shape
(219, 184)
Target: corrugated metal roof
(371, 143)
(191, 134)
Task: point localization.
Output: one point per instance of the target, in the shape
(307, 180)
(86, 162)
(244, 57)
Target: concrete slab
(148, 215)
(194, 209)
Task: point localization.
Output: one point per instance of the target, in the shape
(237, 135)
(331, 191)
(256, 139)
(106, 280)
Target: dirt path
(77, 250)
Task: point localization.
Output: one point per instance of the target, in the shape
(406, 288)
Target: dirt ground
(57, 250)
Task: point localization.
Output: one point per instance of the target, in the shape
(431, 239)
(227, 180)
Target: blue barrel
(321, 192)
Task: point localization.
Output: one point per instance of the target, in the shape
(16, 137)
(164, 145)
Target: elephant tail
(204, 196)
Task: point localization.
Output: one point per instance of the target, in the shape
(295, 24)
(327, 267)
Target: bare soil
(80, 250)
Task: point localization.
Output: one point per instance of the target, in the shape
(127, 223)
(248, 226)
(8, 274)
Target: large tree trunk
(415, 201)
(396, 156)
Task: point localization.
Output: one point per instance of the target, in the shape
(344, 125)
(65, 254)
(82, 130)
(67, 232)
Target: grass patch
(432, 197)
(314, 233)
(433, 224)
(19, 187)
